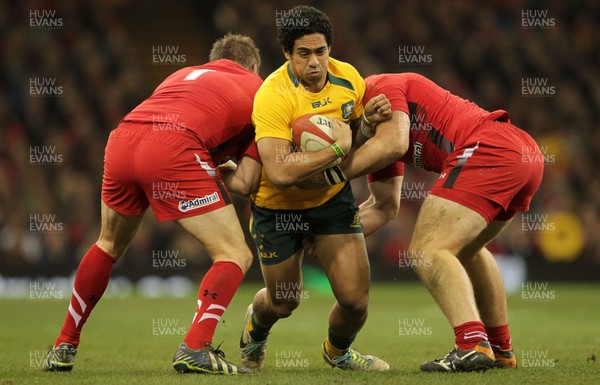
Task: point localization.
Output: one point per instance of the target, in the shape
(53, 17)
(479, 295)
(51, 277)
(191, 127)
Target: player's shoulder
(277, 79)
(342, 67)
(344, 74)
(279, 88)
(219, 68)
(224, 68)
(224, 65)
(399, 77)
(396, 82)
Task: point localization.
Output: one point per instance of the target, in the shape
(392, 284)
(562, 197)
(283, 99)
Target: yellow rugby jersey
(280, 100)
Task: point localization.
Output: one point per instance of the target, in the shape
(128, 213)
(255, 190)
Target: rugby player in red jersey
(489, 169)
(164, 154)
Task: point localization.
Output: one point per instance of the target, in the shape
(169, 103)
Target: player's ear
(254, 68)
(286, 54)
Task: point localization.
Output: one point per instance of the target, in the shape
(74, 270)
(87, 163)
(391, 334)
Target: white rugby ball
(312, 133)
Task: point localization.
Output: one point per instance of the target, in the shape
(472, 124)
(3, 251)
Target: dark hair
(302, 20)
(239, 48)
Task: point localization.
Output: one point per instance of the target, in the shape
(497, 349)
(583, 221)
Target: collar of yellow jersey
(331, 78)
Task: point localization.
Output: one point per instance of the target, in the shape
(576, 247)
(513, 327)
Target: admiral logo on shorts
(198, 202)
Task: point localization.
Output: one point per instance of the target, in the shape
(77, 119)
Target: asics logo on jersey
(320, 103)
(196, 203)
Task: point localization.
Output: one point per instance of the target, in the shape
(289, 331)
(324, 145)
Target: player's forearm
(361, 132)
(389, 144)
(245, 179)
(383, 204)
(371, 219)
(235, 185)
(373, 156)
(293, 168)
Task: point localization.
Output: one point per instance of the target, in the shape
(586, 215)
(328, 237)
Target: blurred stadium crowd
(480, 51)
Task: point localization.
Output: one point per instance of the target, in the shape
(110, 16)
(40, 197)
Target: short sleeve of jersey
(272, 113)
(249, 149)
(396, 93)
(360, 91)
(393, 170)
(350, 88)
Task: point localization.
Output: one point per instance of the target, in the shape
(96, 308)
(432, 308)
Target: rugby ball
(312, 133)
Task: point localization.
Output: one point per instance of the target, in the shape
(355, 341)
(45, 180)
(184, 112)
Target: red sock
(469, 334)
(499, 337)
(216, 291)
(90, 282)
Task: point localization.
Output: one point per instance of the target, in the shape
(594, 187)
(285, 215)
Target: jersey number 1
(195, 74)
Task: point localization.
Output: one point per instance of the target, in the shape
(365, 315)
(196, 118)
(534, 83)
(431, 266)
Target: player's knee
(246, 261)
(420, 258)
(242, 258)
(356, 306)
(112, 249)
(466, 255)
(424, 255)
(284, 307)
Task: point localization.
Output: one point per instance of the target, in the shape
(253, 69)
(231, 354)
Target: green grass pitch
(132, 341)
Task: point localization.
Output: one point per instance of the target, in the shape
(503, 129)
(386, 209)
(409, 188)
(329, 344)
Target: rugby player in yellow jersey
(282, 216)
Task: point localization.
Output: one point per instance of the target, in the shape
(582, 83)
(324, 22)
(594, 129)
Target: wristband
(368, 132)
(337, 149)
(334, 175)
(369, 123)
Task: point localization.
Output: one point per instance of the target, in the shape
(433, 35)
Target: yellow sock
(249, 324)
(331, 350)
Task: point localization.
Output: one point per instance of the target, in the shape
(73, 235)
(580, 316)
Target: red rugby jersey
(213, 101)
(439, 121)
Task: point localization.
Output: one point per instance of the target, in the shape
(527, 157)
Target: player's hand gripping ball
(312, 133)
